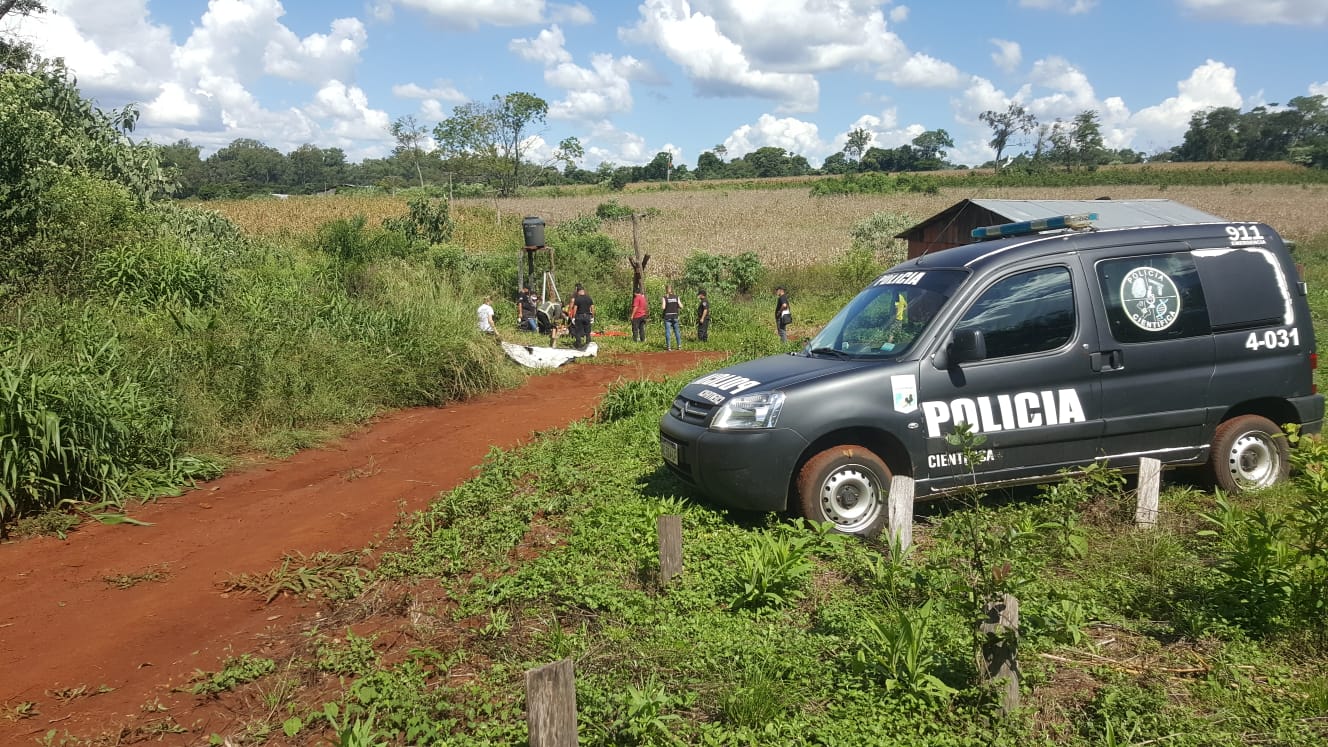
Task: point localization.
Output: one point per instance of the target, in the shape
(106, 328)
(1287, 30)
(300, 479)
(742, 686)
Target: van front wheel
(849, 487)
(1249, 453)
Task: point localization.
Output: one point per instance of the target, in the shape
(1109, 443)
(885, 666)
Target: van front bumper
(750, 469)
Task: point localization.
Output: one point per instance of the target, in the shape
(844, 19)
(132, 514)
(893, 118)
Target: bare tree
(1005, 124)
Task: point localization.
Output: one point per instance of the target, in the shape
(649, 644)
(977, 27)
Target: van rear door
(1156, 357)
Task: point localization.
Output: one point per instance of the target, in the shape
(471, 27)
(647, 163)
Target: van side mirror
(967, 346)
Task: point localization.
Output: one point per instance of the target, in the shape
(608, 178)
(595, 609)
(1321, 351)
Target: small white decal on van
(712, 397)
(730, 383)
(1245, 236)
(905, 389)
(1005, 412)
(1150, 298)
(957, 459)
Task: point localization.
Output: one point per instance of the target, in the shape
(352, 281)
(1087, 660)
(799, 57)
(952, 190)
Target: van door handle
(1107, 360)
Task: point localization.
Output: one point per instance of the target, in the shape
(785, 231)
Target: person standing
(484, 315)
(639, 314)
(702, 317)
(782, 314)
(583, 317)
(526, 303)
(672, 306)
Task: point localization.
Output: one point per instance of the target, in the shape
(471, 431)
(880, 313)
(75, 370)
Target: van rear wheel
(849, 487)
(1249, 453)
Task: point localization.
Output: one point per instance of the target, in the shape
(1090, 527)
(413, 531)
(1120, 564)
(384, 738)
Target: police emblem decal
(1150, 298)
(905, 392)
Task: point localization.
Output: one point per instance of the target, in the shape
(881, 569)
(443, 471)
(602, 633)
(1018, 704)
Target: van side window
(1153, 297)
(1251, 275)
(1030, 312)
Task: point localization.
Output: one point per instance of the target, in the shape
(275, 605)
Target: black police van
(1191, 344)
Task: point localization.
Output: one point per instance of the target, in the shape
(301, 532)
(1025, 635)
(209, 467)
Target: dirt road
(79, 654)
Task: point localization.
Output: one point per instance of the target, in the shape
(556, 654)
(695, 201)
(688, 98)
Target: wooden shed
(954, 225)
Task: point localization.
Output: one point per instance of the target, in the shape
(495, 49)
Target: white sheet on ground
(535, 357)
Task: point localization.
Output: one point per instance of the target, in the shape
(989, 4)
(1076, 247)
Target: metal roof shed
(953, 226)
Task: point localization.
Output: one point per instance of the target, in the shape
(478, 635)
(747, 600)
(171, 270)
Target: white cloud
(924, 71)
(442, 90)
(1071, 91)
(546, 48)
(1293, 12)
(593, 93)
(468, 15)
(1319, 89)
(899, 14)
(1212, 84)
(575, 14)
(1073, 7)
(716, 64)
(1008, 55)
(200, 89)
(607, 143)
(789, 133)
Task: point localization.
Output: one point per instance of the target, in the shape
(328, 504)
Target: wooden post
(670, 547)
(551, 705)
(998, 659)
(1150, 478)
(901, 512)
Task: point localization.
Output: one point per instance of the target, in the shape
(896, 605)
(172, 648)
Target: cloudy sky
(631, 79)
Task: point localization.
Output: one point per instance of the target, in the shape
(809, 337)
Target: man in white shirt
(485, 314)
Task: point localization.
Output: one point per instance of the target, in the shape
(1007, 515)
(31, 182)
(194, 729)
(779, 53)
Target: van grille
(692, 411)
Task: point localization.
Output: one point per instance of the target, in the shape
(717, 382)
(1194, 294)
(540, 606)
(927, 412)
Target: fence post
(999, 657)
(901, 512)
(669, 528)
(1150, 478)
(551, 705)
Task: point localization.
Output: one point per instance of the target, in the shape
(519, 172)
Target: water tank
(533, 228)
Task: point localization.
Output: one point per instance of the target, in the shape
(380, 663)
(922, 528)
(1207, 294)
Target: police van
(1061, 345)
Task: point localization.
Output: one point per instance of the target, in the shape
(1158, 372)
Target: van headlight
(759, 410)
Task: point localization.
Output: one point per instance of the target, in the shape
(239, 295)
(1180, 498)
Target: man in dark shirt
(672, 306)
(526, 304)
(782, 314)
(582, 311)
(702, 317)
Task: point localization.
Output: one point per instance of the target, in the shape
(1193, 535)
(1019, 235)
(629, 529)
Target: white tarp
(533, 357)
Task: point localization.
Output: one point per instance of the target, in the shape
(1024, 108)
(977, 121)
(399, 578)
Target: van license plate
(669, 450)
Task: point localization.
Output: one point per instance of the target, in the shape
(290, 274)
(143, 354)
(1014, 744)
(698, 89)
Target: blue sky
(631, 79)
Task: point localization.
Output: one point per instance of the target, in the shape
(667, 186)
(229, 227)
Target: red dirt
(63, 626)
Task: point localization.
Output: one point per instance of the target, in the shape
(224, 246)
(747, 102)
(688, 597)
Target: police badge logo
(1150, 298)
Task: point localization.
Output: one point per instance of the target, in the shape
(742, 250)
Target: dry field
(786, 227)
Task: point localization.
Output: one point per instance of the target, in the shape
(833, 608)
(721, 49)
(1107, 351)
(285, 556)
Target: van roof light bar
(1082, 220)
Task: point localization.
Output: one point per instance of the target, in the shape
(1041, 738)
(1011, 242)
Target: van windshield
(885, 319)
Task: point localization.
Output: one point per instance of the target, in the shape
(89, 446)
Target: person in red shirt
(639, 313)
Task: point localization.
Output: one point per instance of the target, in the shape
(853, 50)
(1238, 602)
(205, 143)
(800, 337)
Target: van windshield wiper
(832, 352)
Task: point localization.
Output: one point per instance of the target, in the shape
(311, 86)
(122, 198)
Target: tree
(708, 166)
(658, 168)
(410, 136)
(569, 152)
(493, 135)
(1087, 139)
(1005, 124)
(247, 166)
(16, 54)
(836, 163)
(930, 145)
(856, 145)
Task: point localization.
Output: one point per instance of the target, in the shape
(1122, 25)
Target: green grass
(778, 634)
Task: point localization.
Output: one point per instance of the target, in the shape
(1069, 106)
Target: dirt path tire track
(63, 626)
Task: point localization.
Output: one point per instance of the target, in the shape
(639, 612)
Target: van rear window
(1249, 282)
(1153, 297)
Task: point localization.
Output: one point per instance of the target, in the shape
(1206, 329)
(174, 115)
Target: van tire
(1249, 453)
(847, 486)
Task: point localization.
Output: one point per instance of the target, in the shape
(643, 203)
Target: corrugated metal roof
(1110, 213)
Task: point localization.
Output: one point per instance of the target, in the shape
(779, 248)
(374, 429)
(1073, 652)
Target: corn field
(785, 227)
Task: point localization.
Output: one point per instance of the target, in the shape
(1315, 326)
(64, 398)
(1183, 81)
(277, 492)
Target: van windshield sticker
(1005, 412)
(730, 383)
(906, 393)
(1150, 298)
(900, 278)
